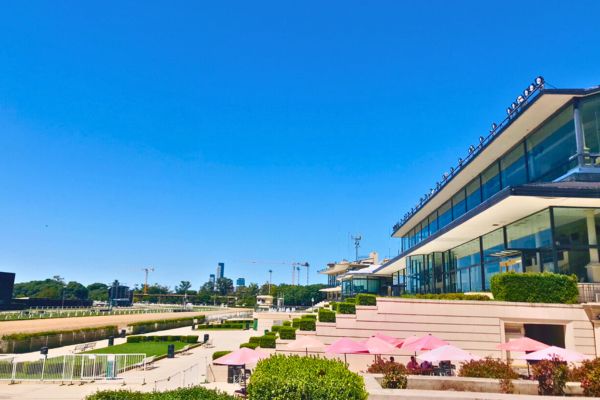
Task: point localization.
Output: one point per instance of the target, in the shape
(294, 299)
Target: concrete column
(579, 140)
(593, 268)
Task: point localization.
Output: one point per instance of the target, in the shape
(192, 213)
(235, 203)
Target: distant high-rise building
(240, 282)
(220, 270)
(212, 280)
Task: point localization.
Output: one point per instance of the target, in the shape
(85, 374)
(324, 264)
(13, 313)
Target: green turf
(148, 348)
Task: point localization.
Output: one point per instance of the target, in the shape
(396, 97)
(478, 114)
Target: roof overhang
(336, 269)
(538, 111)
(504, 208)
(335, 289)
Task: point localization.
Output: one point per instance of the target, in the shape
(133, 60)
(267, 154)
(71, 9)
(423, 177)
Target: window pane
(513, 167)
(590, 119)
(574, 262)
(473, 194)
(490, 181)
(433, 222)
(458, 204)
(571, 226)
(532, 232)
(493, 243)
(549, 148)
(445, 214)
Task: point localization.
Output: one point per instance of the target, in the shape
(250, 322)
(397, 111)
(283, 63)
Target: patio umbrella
(305, 343)
(392, 340)
(556, 352)
(522, 344)
(241, 356)
(448, 353)
(346, 346)
(376, 345)
(427, 342)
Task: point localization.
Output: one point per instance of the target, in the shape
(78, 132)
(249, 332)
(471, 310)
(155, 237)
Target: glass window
(574, 262)
(459, 205)
(493, 243)
(433, 223)
(532, 232)
(590, 119)
(444, 214)
(473, 194)
(513, 167)
(425, 229)
(550, 147)
(570, 226)
(490, 181)
(467, 258)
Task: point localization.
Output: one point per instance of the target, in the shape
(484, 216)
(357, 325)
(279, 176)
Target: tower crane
(295, 268)
(147, 270)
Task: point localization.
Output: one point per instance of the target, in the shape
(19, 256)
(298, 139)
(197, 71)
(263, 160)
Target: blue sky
(181, 134)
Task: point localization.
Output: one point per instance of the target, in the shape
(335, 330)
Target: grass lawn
(149, 348)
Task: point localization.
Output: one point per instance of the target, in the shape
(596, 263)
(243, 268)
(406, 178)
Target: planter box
(460, 384)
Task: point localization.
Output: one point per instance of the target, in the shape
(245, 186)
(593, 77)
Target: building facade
(526, 198)
(220, 270)
(240, 282)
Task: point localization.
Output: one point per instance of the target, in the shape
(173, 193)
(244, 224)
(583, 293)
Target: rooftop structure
(526, 197)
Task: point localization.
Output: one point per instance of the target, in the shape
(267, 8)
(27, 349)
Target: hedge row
(294, 377)
(365, 299)
(176, 338)
(25, 336)
(220, 353)
(224, 325)
(326, 315)
(197, 392)
(533, 287)
(163, 324)
(287, 333)
(346, 308)
(447, 296)
(267, 341)
(249, 345)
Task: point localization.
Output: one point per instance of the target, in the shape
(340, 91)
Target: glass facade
(556, 239)
(366, 284)
(546, 154)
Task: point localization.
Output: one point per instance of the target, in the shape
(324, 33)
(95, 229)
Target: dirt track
(55, 324)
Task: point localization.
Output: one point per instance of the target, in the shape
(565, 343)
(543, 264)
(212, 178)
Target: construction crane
(295, 268)
(147, 270)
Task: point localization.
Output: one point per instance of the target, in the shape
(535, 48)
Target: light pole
(270, 280)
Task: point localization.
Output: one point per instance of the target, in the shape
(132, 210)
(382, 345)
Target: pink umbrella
(389, 339)
(304, 343)
(427, 342)
(522, 344)
(376, 345)
(448, 353)
(346, 346)
(556, 352)
(241, 356)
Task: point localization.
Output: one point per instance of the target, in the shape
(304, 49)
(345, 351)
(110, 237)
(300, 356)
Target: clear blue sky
(181, 134)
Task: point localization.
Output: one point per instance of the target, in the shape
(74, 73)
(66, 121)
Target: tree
(98, 291)
(75, 291)
(183, 287)
(46, 289)
(224, 286)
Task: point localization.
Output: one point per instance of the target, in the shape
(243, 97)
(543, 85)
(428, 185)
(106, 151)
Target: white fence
(72, 367)
(188, 377)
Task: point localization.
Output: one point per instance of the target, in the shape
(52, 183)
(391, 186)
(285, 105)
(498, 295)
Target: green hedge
(25, 336)
(28, 342)
(287, 333)
(309, 316)
(282, 377)
(326, 315)
(139, 339)
(287, 323)
(346, 308)
(249, 345)
(365, 299)
(267, 342)
(533, 287)
(296, 322)
(308, 325)
(220, 353)
(447, 296)
(275, 328)
(225, 325)
(254, 339)
(351, 300)
(163, 324)
(197, 392)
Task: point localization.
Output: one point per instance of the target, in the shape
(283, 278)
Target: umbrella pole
(307, 352)
(345, 360)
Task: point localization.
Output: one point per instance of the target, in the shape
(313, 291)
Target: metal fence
(72, 367)
(188, 377)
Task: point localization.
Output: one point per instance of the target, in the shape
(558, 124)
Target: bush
(282, 377)
(254, 339)
(533, 287)
(308, 325)
(350, 300)
(220, 353)
(492, 369)
(190, 339)
(447, 296)
(287, 333)
(310, 316)
(155, 338)
(589, 376)
(197, 392)
(225, 325)
(365, 299)
(333, 305)
(394, 376)
(287, 323)
(381, 366)
(249, 345)
(267, 342)
(134, 339)
(163, 324)
(551, 376)
(296, 322)
(346, 308)
(276, 328)
(326, 315)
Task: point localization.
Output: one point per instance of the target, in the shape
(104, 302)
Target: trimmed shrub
(551, 376)
(365, 299)
(155, 338)
(287, 323)
(447, 296)
(350, 300)
(28, 342)
(197, 392)
(276, 328)
(333, 305)
(493, 369)
(308, 325)
(296, 322)
(294, 377)
(225, 325)
(267, 342)
(254, 339)
(287, 333)
(220, 353)
(346, 308)
(533, 287)
(190, 339)
(310, 316)
(134, 339)
(163, 324)
(326, 315)
(249, 345)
